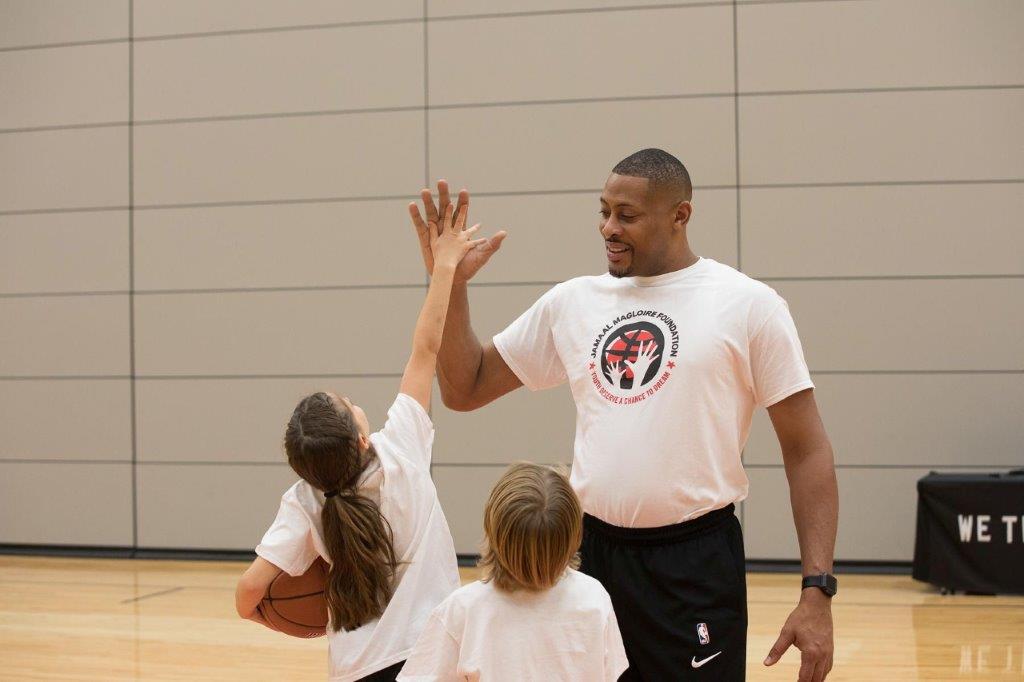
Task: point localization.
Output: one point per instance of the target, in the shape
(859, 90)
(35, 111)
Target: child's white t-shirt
(428, 570)
(567, 632)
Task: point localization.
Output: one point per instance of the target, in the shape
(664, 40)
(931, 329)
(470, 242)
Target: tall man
(667, 356)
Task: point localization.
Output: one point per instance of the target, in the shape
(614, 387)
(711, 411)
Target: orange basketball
(297, 606)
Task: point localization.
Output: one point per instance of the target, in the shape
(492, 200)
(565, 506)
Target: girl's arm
(252, 586)
(448, 249)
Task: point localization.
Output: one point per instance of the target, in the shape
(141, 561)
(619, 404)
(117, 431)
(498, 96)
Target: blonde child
(533, 616)
(367, 505)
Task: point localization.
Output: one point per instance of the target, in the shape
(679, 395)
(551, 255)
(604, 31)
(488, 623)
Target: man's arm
(469, 375)
(814, 495)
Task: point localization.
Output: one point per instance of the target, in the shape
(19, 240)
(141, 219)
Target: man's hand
(809, 627)
(476, 258)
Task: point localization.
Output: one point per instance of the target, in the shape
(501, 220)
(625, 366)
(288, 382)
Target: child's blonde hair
(533, 525)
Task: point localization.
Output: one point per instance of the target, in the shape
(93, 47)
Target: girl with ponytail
(365, 502)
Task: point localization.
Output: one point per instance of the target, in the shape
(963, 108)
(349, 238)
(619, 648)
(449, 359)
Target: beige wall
(202, 224)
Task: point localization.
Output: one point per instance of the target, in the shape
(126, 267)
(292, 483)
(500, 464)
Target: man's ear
(684, 209)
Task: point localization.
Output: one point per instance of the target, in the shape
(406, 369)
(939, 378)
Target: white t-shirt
(715, 343)
(565, 633)
(428, 570)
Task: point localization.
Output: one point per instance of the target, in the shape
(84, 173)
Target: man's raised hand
(477, 257)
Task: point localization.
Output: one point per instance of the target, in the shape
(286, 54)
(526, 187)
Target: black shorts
(389, 674)
(679, 592)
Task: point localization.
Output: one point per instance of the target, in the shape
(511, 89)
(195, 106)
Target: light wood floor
(108, 619)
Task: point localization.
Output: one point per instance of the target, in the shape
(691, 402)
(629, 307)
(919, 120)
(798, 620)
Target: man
(667, 356)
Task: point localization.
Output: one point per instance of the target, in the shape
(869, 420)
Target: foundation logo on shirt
(633, 356)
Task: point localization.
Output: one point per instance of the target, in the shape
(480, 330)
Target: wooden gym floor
(112, 619)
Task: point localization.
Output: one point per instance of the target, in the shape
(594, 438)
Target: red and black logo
(633, 356)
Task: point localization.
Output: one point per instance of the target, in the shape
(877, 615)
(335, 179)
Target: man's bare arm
(810, 468)
(469, 375)
(814, 495)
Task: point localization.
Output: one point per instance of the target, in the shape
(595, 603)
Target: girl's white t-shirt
(399, 480)
(562, 634)
(710, 343)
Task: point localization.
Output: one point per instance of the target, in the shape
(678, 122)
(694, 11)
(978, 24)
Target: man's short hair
(665, 171)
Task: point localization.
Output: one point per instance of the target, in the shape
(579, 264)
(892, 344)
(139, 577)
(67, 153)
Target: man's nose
(611, 228)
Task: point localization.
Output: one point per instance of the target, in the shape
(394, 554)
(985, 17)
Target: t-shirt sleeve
(288, 543)
(528, 346)
(435, 657)
(615, 662)
(409, 430)
(777, 363)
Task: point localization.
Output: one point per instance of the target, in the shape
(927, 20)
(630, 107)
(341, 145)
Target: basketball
(625, 343)
(297, 606)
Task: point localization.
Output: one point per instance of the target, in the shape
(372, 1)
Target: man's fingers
(781, 644)
(443, 196)
(417, 220)
(447, 225)
(495, 242)
(428, 206)
(463, 201)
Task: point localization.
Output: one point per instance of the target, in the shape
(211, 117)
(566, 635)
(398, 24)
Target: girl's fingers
(470, 230)
(448, 217)
(460, 219)
(477, 242)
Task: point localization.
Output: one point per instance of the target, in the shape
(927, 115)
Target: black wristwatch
(826, 582)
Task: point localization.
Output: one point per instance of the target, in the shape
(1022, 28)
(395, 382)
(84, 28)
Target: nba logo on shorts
(702, 633)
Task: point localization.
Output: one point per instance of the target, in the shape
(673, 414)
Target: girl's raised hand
(454, 242)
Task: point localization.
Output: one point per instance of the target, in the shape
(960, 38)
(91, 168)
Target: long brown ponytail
(322, 442)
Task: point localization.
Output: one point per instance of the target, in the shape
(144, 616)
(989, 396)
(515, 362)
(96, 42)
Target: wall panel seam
(733, 94)
(484, 285)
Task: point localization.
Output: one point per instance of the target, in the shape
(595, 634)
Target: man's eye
(627, 217)
(604, 214)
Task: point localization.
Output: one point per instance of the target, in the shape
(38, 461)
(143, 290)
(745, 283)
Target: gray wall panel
(578, 56)
(289, 332)
(40, 22)
(905, 419)
(277, 72)
(64, 252)
(348, 155)
(324, 244)
(238, 420)
(858, 231)
(199, 506)
(57, 86)
(909, 324)
(64, 168)
(882, 136)
(158, 17)
(64, 335)
(830, 45)
(65, 503)
(67, 419)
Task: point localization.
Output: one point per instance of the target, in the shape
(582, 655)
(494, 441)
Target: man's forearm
(458, 363)
(815, 498)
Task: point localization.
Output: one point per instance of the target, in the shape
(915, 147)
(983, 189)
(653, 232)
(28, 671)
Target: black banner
(970, 532)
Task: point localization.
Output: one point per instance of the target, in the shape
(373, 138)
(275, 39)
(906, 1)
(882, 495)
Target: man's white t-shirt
(399, 481)
(565, 633)
(709, 343)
